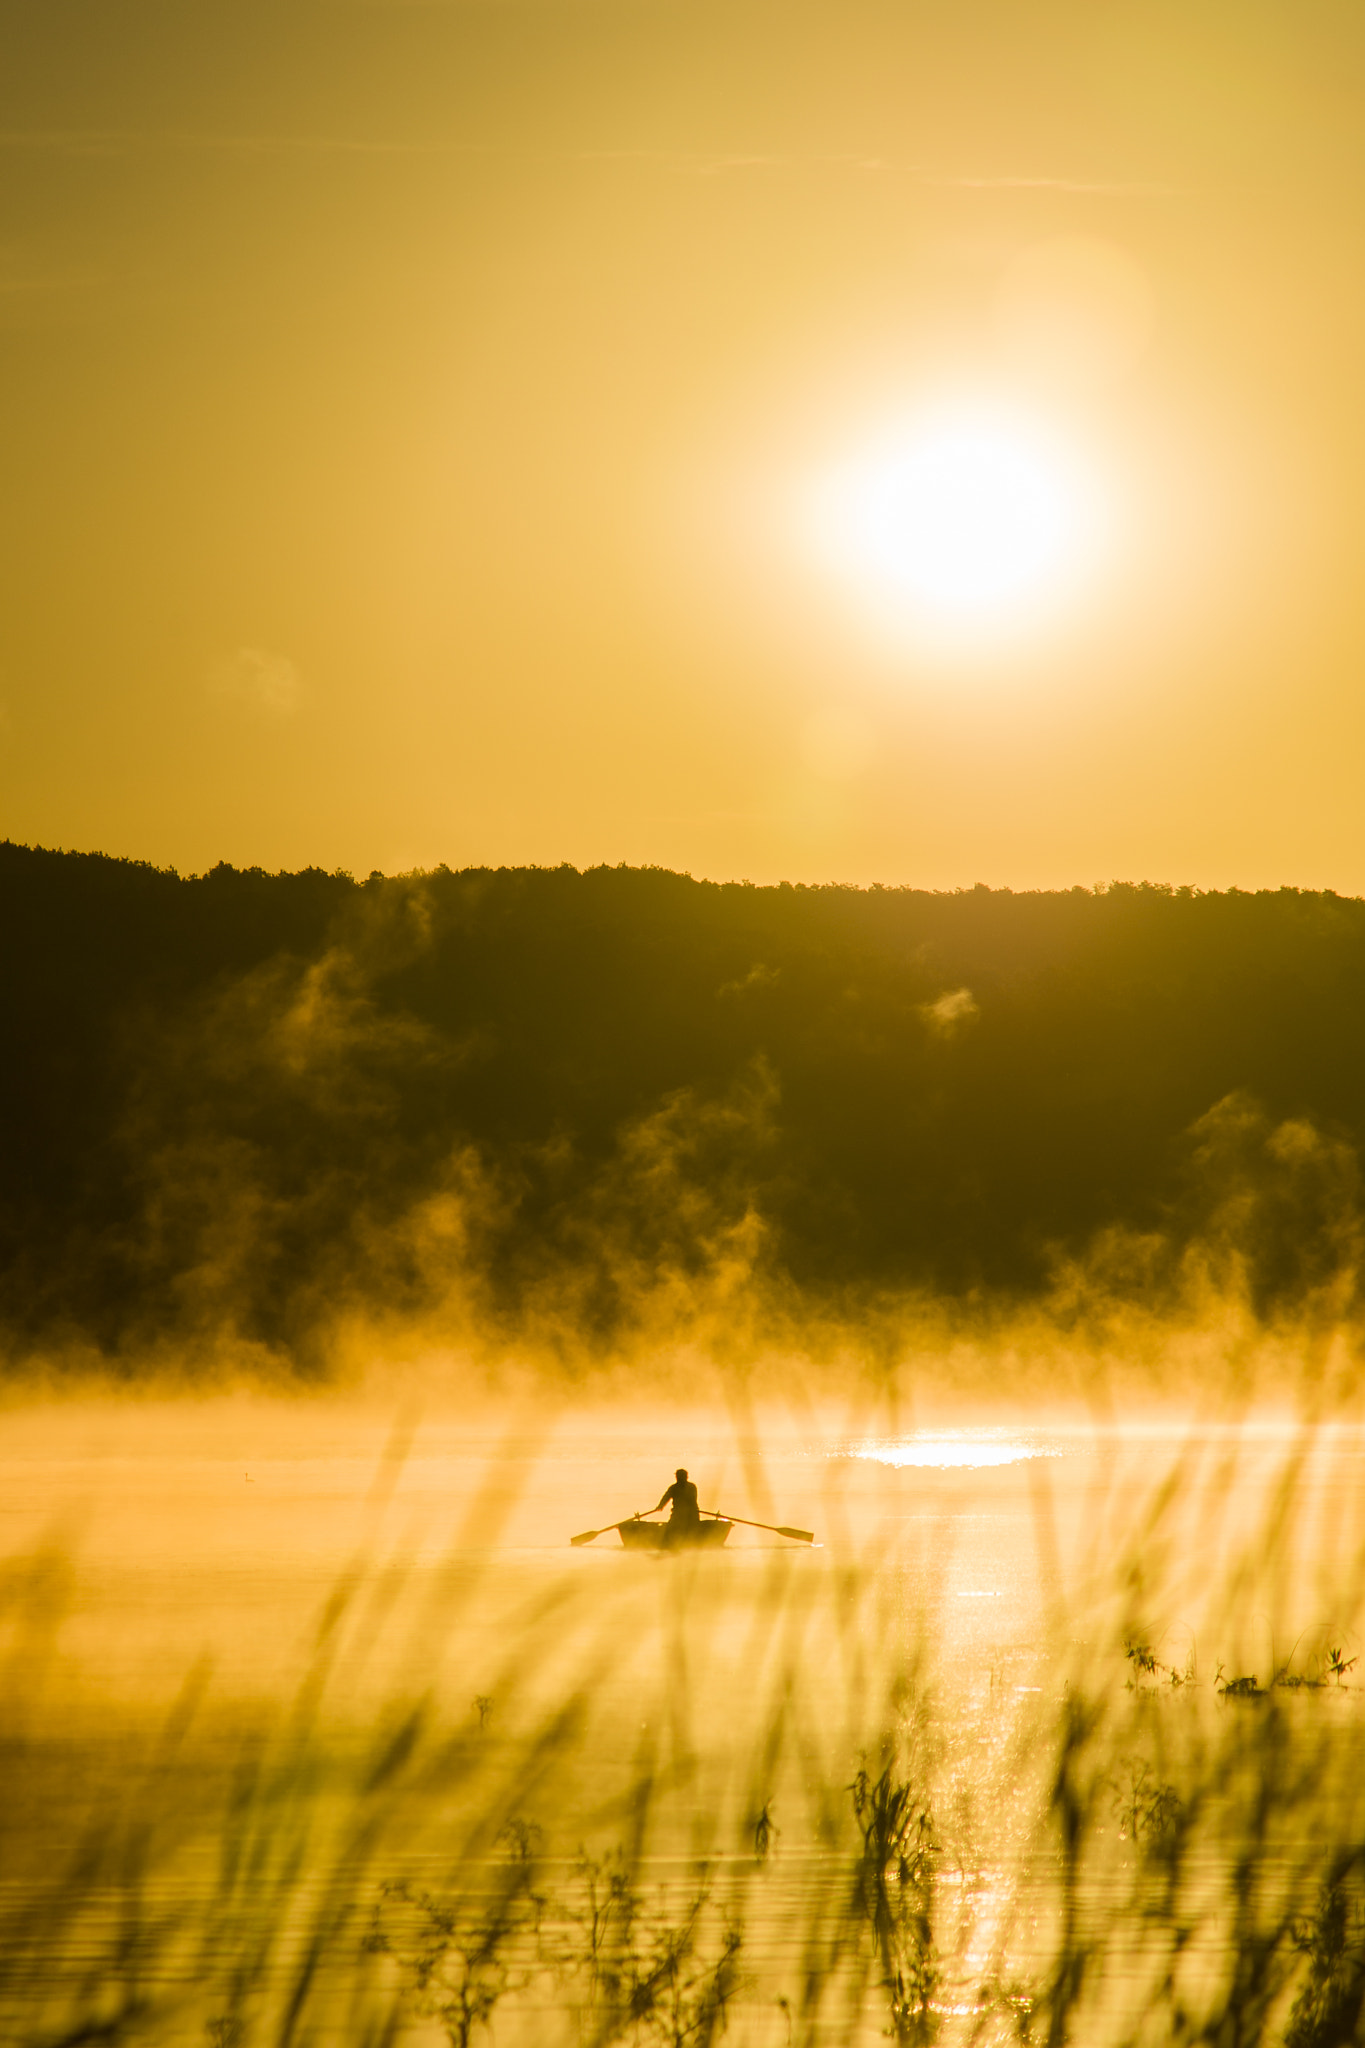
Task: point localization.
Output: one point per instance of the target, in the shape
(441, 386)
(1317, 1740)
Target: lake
(973, 1575)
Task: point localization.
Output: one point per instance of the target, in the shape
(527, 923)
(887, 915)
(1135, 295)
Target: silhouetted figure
(684, 1516)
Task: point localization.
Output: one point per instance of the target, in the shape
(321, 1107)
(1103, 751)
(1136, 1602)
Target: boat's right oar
(776, 1528)
(591, 1535)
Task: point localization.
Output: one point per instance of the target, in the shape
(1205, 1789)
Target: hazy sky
(445, 432)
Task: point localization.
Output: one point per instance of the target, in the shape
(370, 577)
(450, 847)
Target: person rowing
(684, 1515)
(684, 1525)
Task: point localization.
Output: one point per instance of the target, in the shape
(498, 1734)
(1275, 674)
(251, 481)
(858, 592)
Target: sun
(967, 521)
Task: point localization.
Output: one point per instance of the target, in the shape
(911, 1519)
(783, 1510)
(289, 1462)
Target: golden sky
(443, 432)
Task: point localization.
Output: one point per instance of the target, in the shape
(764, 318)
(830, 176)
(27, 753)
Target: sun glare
(947, 1449)
(966, 522)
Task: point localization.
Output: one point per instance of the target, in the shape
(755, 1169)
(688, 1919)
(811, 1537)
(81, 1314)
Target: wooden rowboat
(709, 1535)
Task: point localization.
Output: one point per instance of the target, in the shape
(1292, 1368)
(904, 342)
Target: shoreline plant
(1111, 1860)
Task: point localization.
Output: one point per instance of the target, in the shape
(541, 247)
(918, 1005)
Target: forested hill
(252, 1103)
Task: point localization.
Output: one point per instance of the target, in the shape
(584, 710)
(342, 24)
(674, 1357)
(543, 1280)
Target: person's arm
(666, 1495)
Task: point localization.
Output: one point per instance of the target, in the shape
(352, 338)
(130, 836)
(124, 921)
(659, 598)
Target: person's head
(681, 1472)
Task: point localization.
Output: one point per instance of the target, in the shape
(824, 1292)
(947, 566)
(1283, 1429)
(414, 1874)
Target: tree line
(242, 1101)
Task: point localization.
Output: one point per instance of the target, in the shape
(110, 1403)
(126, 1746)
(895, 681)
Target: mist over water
(272, 1127)
(217, 1528)
(1008, 1246)
(224, 1567)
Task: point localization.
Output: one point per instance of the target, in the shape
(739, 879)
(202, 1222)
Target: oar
(591, 1535)
(776, 1528)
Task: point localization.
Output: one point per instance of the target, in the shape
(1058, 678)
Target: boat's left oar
(591, 1535)
(776, 1528)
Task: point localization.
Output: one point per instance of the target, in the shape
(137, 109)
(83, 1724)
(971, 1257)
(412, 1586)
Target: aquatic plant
(893, 1894)
(1142, 1805)
(595, 1865)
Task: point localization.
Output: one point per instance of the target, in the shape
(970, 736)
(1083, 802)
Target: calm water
(219, 1529)
(986, 1562)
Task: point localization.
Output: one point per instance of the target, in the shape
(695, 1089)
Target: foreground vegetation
(1110, 1836)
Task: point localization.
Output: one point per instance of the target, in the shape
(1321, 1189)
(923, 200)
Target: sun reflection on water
(945, 1448)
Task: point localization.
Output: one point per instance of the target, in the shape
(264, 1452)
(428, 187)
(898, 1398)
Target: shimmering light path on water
(339, 1574)
(970, 1449)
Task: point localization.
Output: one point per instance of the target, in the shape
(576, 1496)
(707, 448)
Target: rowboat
(708, 1535)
